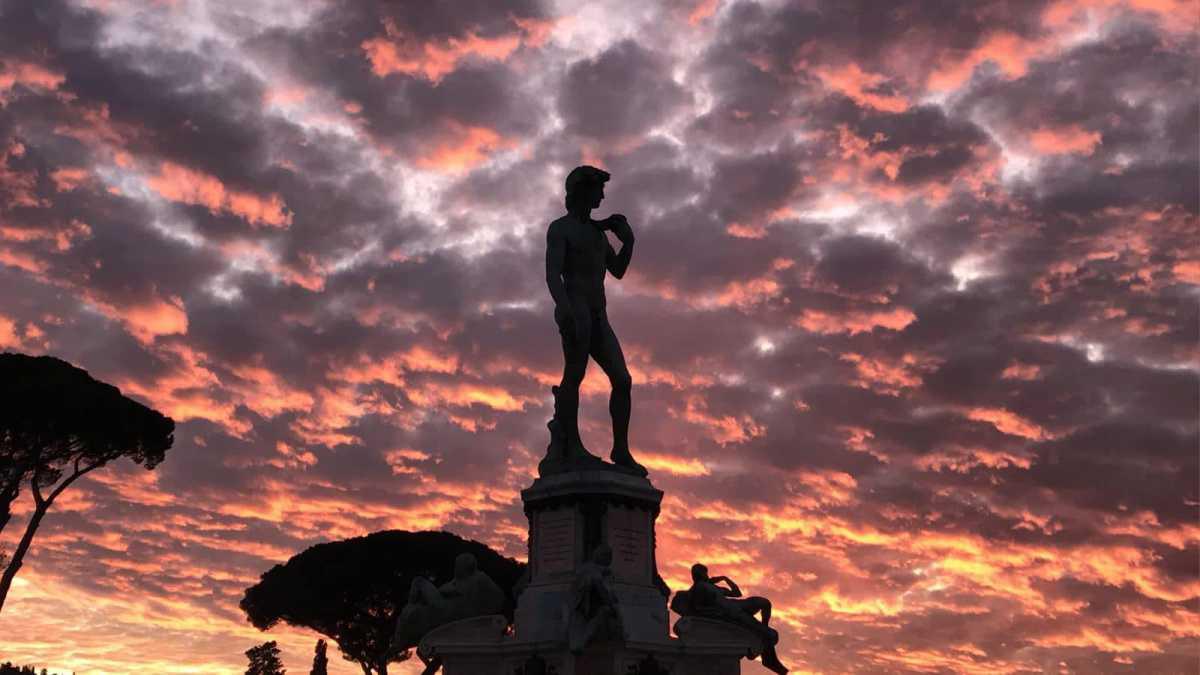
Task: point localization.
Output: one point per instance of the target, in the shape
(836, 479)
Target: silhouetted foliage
(264, 660)
(320, 660)
(8, 668)
(57, 424)
(352, 591)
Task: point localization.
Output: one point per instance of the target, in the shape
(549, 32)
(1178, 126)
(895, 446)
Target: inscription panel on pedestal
(555, 541)
(629, 537)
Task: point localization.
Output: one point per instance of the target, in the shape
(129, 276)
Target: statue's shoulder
(561, 223)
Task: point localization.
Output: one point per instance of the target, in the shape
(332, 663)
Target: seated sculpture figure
(470, 593)
(594, 610)
(709, 600)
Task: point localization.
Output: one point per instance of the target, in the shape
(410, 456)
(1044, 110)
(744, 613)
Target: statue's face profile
(594, 193)
(585, 187)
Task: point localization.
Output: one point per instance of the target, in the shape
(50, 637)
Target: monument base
(573, 514)
(481, 646)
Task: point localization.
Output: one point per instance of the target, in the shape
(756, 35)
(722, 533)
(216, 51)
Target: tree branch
(71, 479)
(37, 491)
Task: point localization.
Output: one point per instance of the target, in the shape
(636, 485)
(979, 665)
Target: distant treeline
(8, 668)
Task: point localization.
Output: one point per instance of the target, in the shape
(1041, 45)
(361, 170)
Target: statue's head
(602, 555)
(699, 573)
(465, 565)
(585, 186)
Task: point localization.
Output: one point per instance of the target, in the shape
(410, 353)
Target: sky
(912, 317)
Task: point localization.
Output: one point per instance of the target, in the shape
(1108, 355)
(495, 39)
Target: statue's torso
(583, 267)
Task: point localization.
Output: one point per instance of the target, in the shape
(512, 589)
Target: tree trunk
(382, 667)
(8, 494)
(14, 564)
(41, 506)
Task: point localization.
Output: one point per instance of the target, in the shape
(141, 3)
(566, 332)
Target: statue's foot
(623, 459)
(563, 455)
(771, 662)
(579, 455)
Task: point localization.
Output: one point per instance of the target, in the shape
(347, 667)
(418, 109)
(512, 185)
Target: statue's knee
(622, 382)
(572, 378)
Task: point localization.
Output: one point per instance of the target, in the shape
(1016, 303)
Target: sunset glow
(913, 318)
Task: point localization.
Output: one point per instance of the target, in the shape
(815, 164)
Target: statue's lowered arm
(556, 255)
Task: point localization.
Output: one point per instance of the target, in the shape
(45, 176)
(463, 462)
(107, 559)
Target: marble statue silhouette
(470, 593)
(706, 598)
(578, 255)
(594, 609)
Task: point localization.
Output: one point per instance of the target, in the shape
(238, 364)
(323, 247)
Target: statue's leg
(423, 592)
(742, 610)
(607, 352)
(756, 605)
(575, 361)
(770, 661)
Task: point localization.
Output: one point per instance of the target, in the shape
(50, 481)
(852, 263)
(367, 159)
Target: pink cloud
(854, 321)
(851, 80)
(398, 52)
(458, 147)
(1010, 423)
(145, 319)
(1064, 140)
(181, 184)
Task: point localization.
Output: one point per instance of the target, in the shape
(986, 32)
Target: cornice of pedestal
(604, 484)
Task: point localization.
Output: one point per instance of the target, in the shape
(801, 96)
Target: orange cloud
(185, 391)
(884, 375)
(823, 488)
(1187, 271)
(854, 321)
(1009, 423)
(69, 178)
(433, 395)
(9, 337)
(181, 184)
(702, 10)
(1064, 140)
(266, 393)
(1172, 15)
(852, 81)
(875, 606)
(459, 147)
(398, 52)
(724, 429)
(147, 319)
(963, 460)
(1021, 371)
(22, 261)
(1010, 52)
(13, 73)
(679, 466)
(18, 188)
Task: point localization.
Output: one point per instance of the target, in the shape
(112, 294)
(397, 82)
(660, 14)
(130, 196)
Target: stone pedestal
(570, 514)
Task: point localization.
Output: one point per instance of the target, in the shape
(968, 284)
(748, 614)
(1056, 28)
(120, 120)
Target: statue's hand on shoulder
(620, 227)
